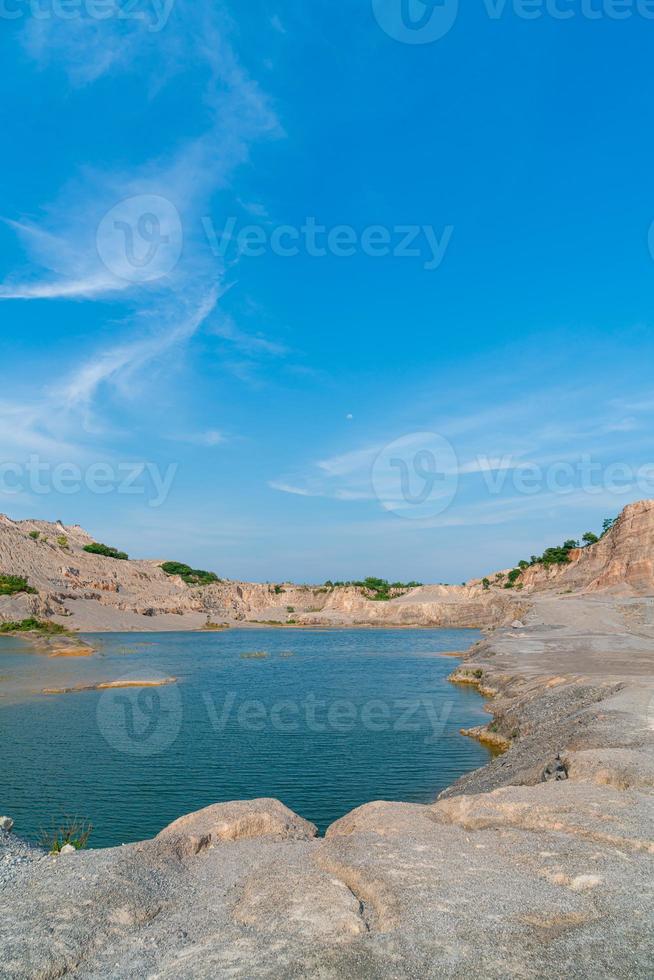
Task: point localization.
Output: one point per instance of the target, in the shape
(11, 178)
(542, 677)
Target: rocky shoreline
(539, 864)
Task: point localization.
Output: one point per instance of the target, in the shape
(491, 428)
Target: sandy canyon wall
(90, 592)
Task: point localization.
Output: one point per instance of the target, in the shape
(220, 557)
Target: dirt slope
(89, 592)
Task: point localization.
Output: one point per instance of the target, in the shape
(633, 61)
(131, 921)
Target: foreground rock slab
(509, 874)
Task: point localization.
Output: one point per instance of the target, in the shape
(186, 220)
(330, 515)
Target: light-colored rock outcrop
(540, 864)
(508, 874)
(89, 592)
(622, 561)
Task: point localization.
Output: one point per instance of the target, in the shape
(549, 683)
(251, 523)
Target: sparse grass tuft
(68, 830)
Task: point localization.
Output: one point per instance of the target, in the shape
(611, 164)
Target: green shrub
(32, 626)
(13, 584)
(560, 554)
(105, 551)
(191, 576)
(62, 541)
(486, 583)
(381, 589)
(513, 577)
(278, 590)
(35, 535)
(555, 556)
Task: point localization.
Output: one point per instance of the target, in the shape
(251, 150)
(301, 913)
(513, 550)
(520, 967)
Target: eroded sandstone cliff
(90, 592)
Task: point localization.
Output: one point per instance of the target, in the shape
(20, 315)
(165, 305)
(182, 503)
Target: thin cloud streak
(83, 385)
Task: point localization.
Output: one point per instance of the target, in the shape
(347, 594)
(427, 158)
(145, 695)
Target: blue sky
(257, 413)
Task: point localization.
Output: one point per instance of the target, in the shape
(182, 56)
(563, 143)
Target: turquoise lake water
(328, 720)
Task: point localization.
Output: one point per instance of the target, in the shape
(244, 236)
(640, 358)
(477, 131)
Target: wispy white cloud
(89, 47)
(289, 488)
(34, 428)
(577, 446)
(256, 209)
(108, 365)
(79, 248)
(225, 327)
(208, 438)
(76, 249)
(276, 24)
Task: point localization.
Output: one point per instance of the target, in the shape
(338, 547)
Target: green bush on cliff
(32, 626)
(13, 584)
(106, 551)
(382, 590)
(555, 556)
(191, 576)
(513, 577)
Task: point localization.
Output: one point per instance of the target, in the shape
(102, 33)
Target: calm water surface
(328, 720)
